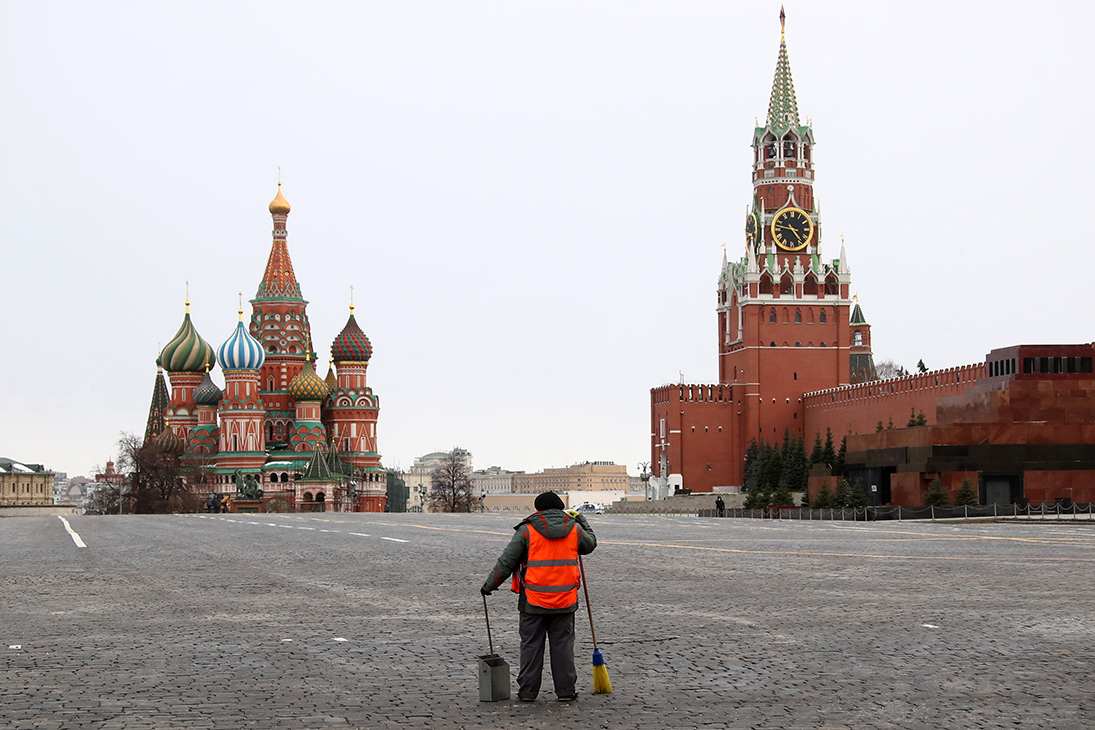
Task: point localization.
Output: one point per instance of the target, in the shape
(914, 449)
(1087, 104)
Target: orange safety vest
(550, 577)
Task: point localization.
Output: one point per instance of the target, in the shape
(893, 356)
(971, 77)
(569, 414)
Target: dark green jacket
(552, 524)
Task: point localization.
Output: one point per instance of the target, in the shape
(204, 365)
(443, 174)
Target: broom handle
(486, 615)
(589, 608)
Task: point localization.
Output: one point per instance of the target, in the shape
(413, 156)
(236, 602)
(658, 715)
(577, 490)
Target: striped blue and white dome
(241, 351)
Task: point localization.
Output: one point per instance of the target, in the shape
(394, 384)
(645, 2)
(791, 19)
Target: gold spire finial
(351, 299)
(188, 296)
(241, 305)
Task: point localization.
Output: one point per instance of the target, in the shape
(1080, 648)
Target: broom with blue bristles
(601, 683)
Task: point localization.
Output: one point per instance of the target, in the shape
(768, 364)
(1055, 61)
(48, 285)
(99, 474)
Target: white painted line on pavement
(339, 638)
(359, 534)
(394, 539)
(75, 538)
(306, 528)
(929, 626)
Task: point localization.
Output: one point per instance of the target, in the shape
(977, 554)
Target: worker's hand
(573, 512)
(485, 591)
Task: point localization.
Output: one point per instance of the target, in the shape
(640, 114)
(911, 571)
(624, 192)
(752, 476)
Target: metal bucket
(493, 678)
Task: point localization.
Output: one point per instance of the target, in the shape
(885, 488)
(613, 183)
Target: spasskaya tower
(785, 324)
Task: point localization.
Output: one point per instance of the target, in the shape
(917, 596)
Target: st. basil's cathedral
(276, 424)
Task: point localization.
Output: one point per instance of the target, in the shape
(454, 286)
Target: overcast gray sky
(530, 198)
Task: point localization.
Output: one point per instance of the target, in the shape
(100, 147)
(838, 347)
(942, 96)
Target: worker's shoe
(568, 698)
(525, 698)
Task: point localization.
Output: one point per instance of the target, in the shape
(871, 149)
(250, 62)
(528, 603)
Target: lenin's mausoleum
(794, 354)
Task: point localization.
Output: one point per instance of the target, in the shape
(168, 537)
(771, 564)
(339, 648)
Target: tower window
(821, 318)
(798, 317)
(773, 344)
(772, 316)
(857, 338)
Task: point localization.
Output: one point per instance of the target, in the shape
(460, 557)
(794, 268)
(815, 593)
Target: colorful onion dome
(208, 394)
(279, 205)
(169, 442)
(187, 352)
(307, 385)
(331, 379)
(241, 351)
(351, 345)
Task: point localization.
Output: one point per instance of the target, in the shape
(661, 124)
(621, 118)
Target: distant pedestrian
(720, 506)
(543, 559)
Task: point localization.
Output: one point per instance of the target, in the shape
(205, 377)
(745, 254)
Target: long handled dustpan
(493, 670)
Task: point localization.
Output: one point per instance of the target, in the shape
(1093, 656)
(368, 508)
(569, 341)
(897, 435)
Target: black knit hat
(548, 500)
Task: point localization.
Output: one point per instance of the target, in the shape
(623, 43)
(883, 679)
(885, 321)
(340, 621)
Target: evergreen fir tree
(800, 475)
(879, 427)
(921, 420)
(749, 476)
(827, 454)
(773, 469)
(966, 494)
(921, 366)
(850, 495)
(891, 423)
(824, 497)
(816, 456)
(912, 419)
(838, 465)
(937, 496)
(782, 495)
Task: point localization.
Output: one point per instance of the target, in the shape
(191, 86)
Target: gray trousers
(558, 628)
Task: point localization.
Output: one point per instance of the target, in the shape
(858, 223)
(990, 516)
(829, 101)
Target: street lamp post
(644, 475)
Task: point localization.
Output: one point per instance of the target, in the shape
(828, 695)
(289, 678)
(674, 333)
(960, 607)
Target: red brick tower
(280, 323)
(783, 311)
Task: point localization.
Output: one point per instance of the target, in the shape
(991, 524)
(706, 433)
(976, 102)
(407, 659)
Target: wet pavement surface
(375, 621)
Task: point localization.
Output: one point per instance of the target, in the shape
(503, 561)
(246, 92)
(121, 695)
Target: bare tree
(155, 480)
(889, 369)
(450, 484)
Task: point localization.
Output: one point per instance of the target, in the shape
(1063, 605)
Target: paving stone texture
(375, 621)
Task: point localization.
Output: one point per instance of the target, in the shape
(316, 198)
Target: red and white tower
(784, 316)
(279, 321)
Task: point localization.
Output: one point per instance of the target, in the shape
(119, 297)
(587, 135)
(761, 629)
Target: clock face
(751, 228)
(792, 229)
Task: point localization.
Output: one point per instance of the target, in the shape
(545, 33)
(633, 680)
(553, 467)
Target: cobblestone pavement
(374, 621)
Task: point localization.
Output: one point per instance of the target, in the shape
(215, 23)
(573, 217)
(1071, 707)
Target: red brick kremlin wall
(859, 408)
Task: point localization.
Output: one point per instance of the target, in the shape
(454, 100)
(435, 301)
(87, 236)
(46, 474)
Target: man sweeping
(543, 559)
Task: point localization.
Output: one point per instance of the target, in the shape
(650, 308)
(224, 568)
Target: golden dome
(279, 205)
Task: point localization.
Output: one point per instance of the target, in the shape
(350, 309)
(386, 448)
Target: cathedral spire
(782, 107)
(157, 411)
(279, 280)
